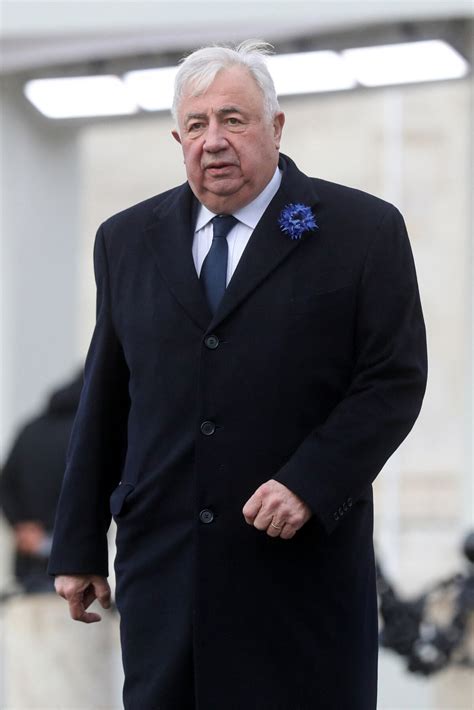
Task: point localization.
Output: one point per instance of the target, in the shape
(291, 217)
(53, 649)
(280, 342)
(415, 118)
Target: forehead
(231, 87)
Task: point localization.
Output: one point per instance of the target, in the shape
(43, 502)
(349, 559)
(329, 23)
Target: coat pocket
(119, 496)
(309, 284)
(326, 300)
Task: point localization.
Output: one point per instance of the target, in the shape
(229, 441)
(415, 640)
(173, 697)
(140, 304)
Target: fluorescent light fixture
(80, 96)
(309, 72)
(152, 89)
(405, 63)
(300, 73)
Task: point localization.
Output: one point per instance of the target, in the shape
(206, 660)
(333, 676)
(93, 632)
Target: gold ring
(277, 527)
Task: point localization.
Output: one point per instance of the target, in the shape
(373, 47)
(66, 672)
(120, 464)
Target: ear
(278, 123)
(176, 136)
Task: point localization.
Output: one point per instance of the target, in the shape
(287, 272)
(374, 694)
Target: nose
(215, 140)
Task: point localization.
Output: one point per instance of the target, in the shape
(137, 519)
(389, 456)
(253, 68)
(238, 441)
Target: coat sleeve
(97, 446)
(337, 462)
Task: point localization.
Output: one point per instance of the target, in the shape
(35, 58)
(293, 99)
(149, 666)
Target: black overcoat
(311, 372)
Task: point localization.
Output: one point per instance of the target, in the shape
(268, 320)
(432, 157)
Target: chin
(222, 187)
(224, 196)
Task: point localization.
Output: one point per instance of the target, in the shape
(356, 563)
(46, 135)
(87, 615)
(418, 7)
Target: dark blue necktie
(214, 269)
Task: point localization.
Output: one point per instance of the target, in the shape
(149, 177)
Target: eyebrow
(229, 109)
(189, 116)
(221, 112)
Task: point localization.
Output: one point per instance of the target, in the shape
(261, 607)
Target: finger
(251, 509)
(102, 592)
(78, 612)
(287, 532)
(80, 600)
(275, 527)
(263, 519)
(90, 617)
(89, 596)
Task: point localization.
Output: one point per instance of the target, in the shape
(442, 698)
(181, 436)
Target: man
(237, 430)
(31, 481)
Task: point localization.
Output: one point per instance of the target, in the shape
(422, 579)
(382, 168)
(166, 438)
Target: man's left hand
(276, 509)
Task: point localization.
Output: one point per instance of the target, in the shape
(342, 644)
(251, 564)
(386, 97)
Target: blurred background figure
(31, 481)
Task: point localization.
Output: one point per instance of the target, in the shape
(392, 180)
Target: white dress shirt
(239, 235)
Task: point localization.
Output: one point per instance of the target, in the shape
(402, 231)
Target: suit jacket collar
(171, 233)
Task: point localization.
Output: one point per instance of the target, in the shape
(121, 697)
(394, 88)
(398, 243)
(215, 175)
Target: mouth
(220, 168)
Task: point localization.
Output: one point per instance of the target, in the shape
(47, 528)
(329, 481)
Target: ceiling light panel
(405, 63)
(80, 97)
(152, 89)
(308, 72)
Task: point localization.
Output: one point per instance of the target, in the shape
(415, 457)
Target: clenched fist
(276, 509)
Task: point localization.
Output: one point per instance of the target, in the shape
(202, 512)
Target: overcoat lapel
(170, 238)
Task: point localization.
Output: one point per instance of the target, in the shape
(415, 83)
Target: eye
(196, 126)
(233, 121)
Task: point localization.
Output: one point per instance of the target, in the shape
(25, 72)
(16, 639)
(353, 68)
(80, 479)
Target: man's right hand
(80, 591)
(29, 536)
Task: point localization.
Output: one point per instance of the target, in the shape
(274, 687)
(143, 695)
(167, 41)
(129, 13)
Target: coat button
(208, 428)
(206, 516)
(211, 342)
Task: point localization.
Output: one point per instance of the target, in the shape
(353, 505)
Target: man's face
(230, 147)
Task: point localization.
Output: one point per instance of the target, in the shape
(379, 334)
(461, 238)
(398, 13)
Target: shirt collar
(251, 213)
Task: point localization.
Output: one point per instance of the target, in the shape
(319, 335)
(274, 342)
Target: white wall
(39, 223)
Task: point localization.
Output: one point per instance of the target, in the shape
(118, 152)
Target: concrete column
(469, 473)
(55, 663)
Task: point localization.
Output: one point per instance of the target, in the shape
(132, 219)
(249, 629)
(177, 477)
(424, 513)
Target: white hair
(199, 69)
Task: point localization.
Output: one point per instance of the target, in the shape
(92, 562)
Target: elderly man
(258, 355)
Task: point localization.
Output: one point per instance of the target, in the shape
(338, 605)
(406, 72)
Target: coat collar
(171, 233)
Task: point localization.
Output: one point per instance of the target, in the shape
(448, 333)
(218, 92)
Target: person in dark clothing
(31, 482)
